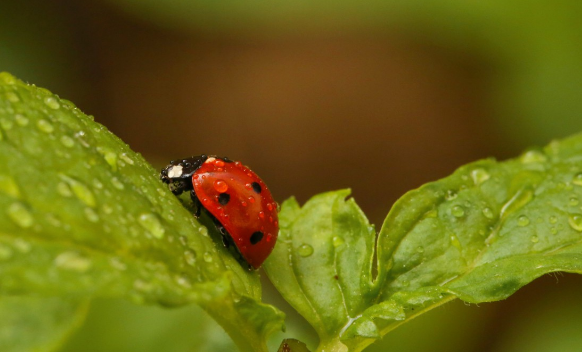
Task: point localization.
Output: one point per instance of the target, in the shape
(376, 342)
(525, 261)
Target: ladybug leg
(196, 203)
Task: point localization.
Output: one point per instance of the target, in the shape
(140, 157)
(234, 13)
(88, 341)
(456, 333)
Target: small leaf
(322, 263)
(479, 235)
(38, 324)
(81, 214)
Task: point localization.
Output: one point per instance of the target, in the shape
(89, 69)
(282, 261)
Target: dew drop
(22, 245)
(82, 192)
(523, 220)
(532, 156)
(45, 126)
(455, 241)
(553, 230)
(12, 97)
(21, 120)
(67, 141)
(6, 124)
(488, 213)
(457, 211)
(126, 158)
(190, 257)
(52, 103)
(91, 215)
(8, 186)
(111, 159)
(64, 190)
(573, 201)
(305, 250)
(107, 209)
(72, 261)
(479, 176)
(535, 239)
(575, 221)
(220, 186)
(207, 257)
(20, 215)
(116, 183)
(577, 180)
(420, 249)
(203, 231)
(337, 241)
(183, 281)
(450, 195)
(553, 219)
(152, 224)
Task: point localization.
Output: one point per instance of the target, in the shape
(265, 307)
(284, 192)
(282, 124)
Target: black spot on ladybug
(256, 237)
(256, 187)
(223, 198)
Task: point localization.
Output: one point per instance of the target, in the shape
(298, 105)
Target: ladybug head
(178, 174)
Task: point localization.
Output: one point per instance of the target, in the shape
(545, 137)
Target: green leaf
(479, 235)
(322, 263)
(81, 214)
(38, 324)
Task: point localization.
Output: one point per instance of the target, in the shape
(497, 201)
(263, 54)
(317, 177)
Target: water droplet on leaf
(190, 257)
(116, 183)
(577, 180)
(72, 261)
(458, 211)
(21, 120)
(80, 190)
(479, 176)
(575, 221)
(19, 213)
(305, 250)
(152, 224)
(523, 220)
(52, 103)
(533, 156)
(45, 126)
(488, 213)
(91, 215)
(67, 141)
(450, 195)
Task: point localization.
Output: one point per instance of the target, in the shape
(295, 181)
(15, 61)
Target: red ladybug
(235, 197)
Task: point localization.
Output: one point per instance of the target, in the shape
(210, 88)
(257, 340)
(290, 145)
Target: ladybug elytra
(236, 198)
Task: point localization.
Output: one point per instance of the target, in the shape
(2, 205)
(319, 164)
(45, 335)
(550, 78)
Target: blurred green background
(379, 96)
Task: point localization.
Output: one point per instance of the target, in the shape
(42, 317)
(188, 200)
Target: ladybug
(237, 200)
